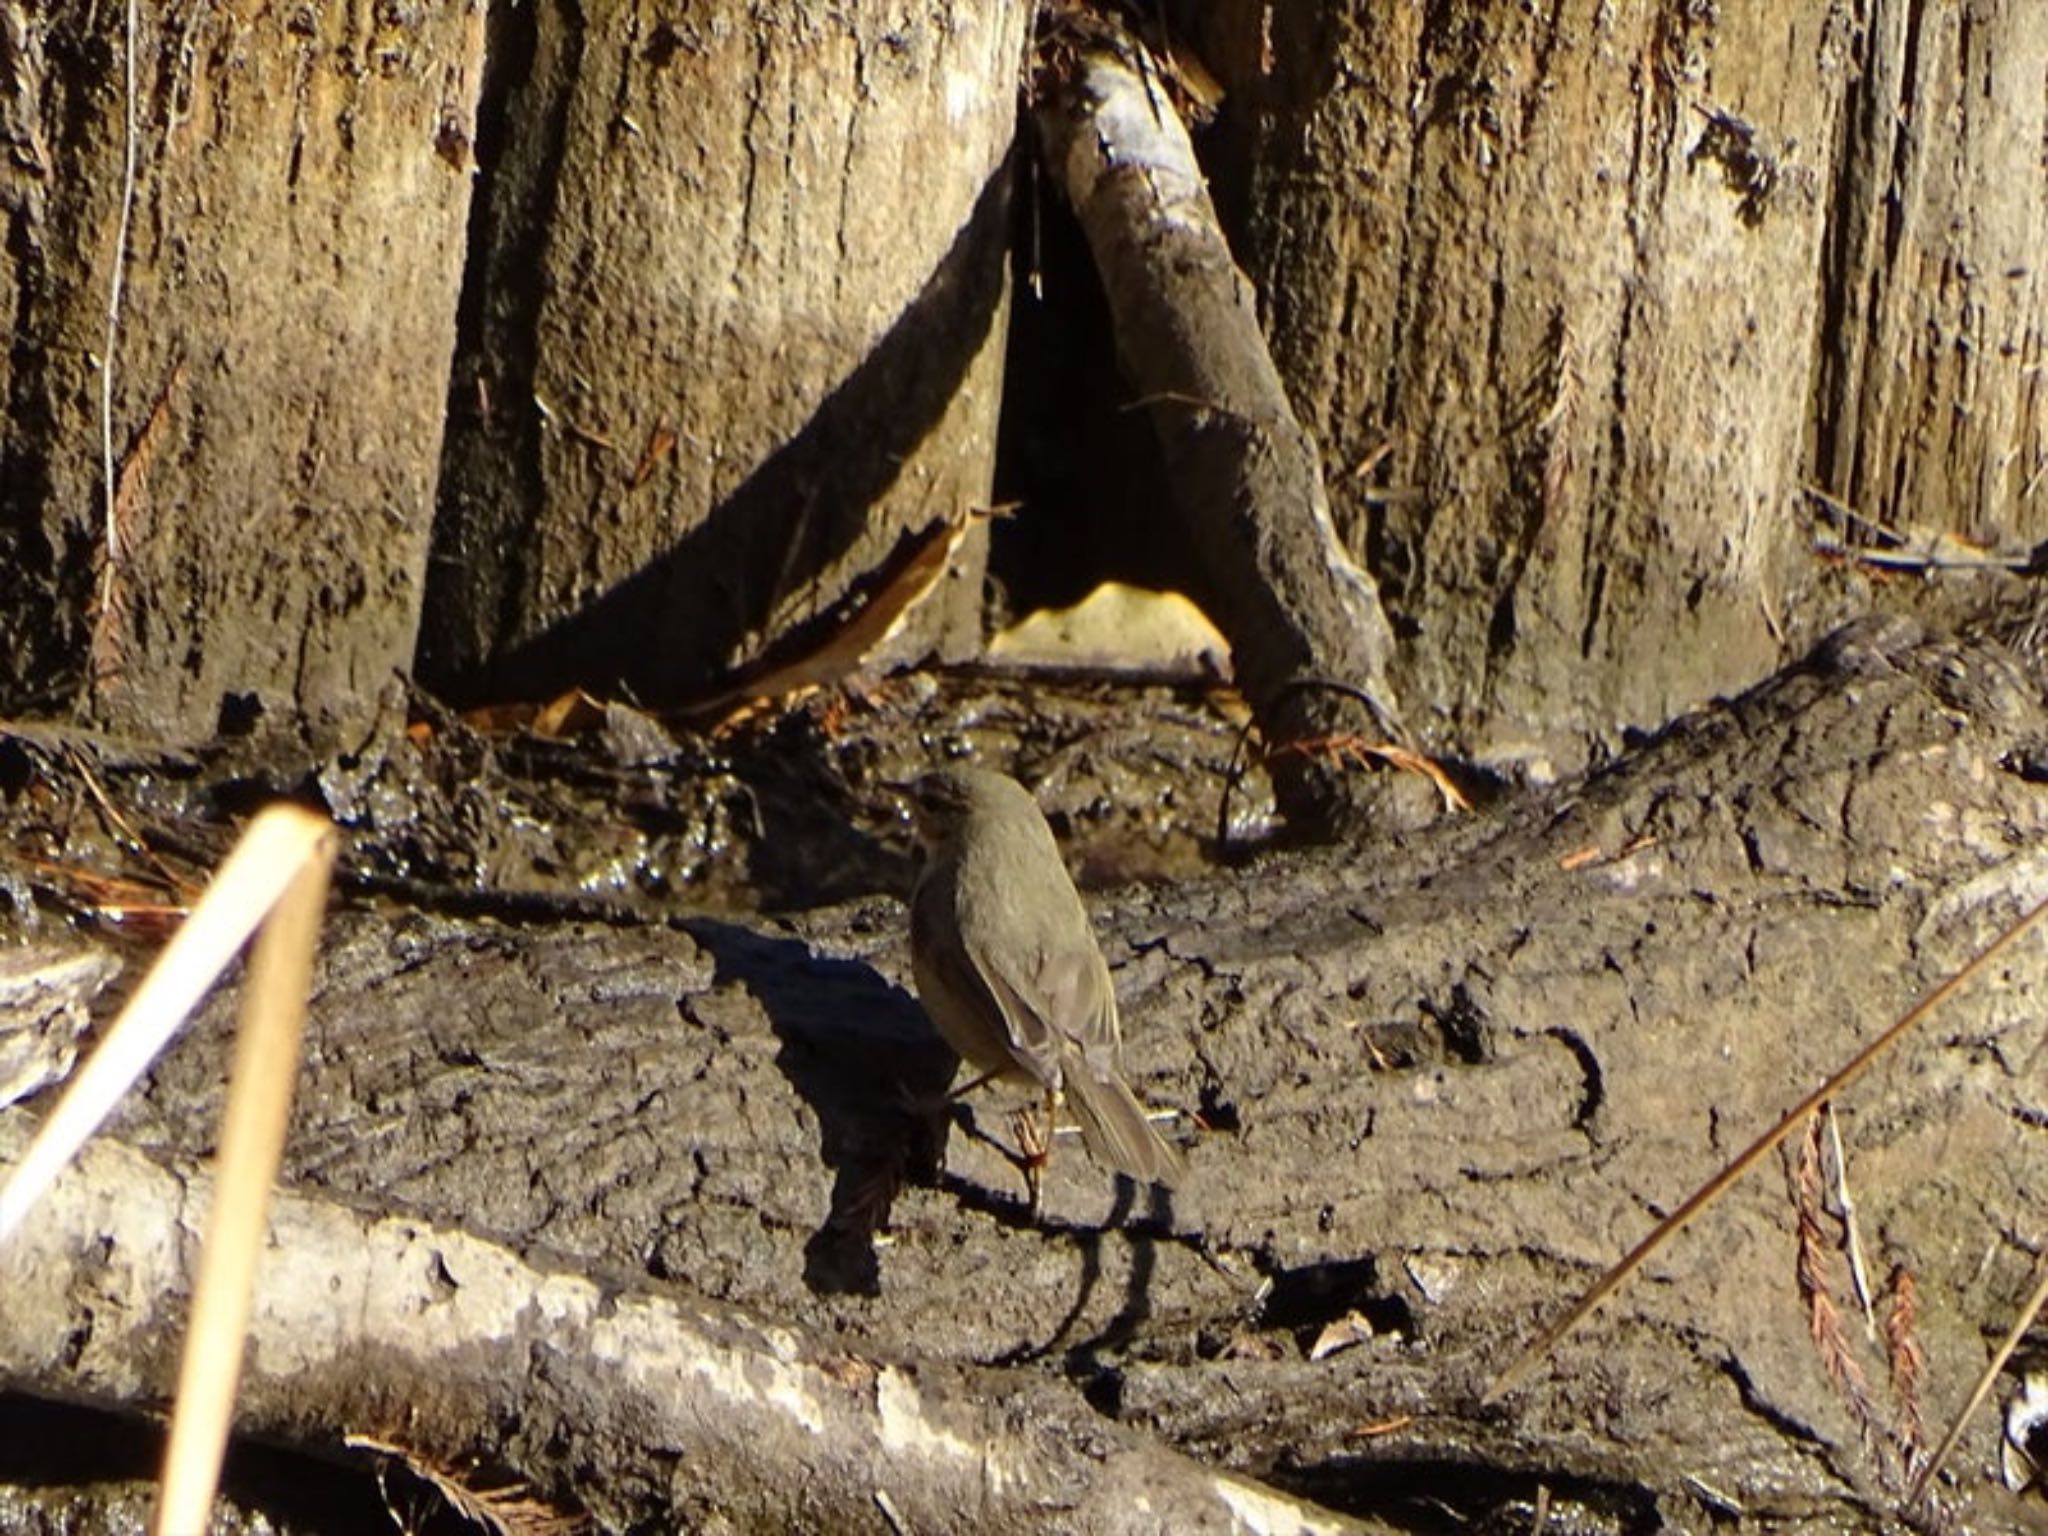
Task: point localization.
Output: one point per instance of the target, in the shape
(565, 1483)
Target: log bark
(1426, 1095)
(430, 1343)
(1310, 644)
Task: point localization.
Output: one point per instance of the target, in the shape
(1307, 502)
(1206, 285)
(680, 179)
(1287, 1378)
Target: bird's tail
(1115, 1128)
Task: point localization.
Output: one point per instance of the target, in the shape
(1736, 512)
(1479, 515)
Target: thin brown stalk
(123, 828)
(1982, 1389)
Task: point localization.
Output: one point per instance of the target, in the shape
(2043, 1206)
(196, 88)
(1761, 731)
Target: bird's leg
(1034, 1142)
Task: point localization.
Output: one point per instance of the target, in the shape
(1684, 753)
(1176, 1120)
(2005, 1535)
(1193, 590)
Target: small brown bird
(1008, 968)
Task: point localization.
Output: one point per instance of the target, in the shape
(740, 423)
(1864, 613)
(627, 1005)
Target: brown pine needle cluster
(1908, 1368)
(1348, 750)
(505, 1509)
(1898, 1447)
(1818, 1261)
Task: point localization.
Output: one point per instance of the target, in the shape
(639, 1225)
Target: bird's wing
(1062, 1014)
(1055, 993)
(959, 1001)
(1034, 1035)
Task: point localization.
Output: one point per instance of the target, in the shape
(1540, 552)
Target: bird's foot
(1034, 1151)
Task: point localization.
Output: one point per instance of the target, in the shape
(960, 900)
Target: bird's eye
(936, 797)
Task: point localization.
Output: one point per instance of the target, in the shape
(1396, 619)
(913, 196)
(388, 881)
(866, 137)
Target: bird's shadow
(1083, 1358)
(864, 1057)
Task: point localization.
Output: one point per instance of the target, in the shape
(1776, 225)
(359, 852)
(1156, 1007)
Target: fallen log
(1427, 1091)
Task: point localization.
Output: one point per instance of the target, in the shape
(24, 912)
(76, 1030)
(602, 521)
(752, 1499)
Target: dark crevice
(1595, 1090)
(490, 486)
(1464, 1024)
(1414, 1494)
(89, 1454)
(1596, 597)
(1795, 1431)
(48, 550)
(1306, 1299)
(1083, 467)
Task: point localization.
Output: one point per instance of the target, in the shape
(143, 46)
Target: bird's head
(945, 799)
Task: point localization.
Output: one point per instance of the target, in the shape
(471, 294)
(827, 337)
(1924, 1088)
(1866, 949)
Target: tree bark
(1425, 1098)
(286, 317)
(1594, 293)
(1930, 398)
(734, 324)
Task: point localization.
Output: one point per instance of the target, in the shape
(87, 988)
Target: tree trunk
(731, 323)
(1593, 292)
(286, 316)
(735, 324)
